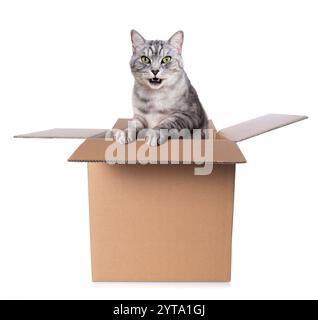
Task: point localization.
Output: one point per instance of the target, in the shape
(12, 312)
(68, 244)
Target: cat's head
(156, 63)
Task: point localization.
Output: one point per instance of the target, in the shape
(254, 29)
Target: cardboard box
(160, 222)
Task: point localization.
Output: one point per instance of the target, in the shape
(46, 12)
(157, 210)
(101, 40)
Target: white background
(65, 64)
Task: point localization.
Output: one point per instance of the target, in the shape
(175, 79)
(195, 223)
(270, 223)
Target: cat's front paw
(154, 137)
(131, 135)
(124, 136)
(120, 136)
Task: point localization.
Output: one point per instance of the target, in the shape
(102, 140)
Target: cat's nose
(155, 72)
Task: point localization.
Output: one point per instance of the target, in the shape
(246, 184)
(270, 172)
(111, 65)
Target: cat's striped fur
(163, 97)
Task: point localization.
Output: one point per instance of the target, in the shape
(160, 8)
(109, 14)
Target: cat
(163, 97)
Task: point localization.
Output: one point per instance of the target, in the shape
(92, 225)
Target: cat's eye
(166, 60)
(145, 60)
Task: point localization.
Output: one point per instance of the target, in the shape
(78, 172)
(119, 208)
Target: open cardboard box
(160, 222)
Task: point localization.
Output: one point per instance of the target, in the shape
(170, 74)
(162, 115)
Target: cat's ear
(177, 40)
(137, 39)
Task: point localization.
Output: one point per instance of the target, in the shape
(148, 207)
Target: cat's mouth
(155, 81)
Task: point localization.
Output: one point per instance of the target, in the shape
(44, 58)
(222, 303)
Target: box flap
(257, 126)
(94, 150)
(64, 133)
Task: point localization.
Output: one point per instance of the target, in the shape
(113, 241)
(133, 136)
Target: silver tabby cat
(163, 97)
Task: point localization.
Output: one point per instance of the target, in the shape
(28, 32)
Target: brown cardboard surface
(257, 126)
(63, 133)
(160, 223)
(93, 150)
